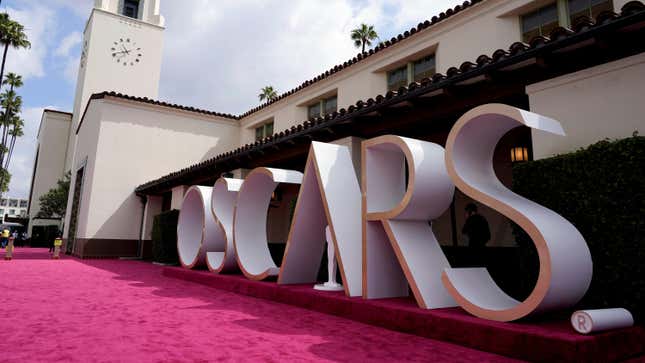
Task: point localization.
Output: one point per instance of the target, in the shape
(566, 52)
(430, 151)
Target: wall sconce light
(519, 153)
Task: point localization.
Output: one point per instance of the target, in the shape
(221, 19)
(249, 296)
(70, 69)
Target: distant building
(13, 207)
(131, 156)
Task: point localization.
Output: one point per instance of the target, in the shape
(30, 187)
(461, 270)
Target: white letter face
(398, 244)
(565, 260)
(222, 257)
(250, 221)
(329, 195)
(197, 231)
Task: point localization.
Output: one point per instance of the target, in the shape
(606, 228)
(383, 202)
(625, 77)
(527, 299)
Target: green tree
(11, 103)
(363, 35)
(5, 178)
(13, 81)
(54, 203)
(12, 35)
(268, 93)
(16, 131)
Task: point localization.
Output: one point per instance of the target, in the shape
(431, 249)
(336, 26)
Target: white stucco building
(13, 207)
(131, 157)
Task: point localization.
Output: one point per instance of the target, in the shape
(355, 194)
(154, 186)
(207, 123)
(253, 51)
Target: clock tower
(121, 52)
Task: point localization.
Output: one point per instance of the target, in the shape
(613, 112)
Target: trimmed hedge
(164, 237)
(601, 190)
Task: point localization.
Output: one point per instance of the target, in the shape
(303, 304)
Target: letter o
(197, 231)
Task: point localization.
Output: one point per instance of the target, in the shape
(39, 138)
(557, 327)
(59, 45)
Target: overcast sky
(217, 53)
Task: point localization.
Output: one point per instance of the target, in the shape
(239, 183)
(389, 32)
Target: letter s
(565, 260)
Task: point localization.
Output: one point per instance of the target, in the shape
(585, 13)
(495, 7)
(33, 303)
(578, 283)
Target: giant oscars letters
(380, 230)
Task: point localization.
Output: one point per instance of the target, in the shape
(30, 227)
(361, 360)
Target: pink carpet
(111, 310)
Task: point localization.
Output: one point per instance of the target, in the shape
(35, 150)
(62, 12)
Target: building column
(178, 196)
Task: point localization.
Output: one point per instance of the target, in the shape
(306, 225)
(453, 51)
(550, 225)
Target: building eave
(607, 27)
(154, 103)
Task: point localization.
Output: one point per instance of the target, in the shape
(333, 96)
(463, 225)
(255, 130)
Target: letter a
(398, 244)
(565, 260)
(329, 195)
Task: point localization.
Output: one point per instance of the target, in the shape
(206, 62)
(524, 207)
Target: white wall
(85, 157)
(178, 196)
(137, 143)
(153, 208)
(478, 30)
(50, 165)
(101, 72)
(605, 101)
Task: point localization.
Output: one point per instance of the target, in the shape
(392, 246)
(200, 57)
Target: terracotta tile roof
(359, 57)
(632, 14)
(101, 95)
(362, 56)
(162, 103)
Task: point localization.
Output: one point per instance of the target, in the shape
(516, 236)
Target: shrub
(601, 191)
(164, 237)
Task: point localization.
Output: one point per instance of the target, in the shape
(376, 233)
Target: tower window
(131, 8)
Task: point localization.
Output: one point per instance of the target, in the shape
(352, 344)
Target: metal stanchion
(8, 255)
(58, 242)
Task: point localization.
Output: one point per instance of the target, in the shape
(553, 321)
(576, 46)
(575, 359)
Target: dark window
(268, 129)
(131, 8)
(23, 204)
(263, 131)
(424, 68)
(397, 78)
(313, 111)
(166, 201)
(539, 22)
(592, 8)
(330, 105)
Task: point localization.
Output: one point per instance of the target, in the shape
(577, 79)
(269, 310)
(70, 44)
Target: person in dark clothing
(478, 233)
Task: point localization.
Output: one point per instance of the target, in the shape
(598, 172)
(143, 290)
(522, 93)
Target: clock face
(126, 51)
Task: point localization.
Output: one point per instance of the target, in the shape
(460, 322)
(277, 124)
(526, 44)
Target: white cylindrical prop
(590, 321)
(196, 229)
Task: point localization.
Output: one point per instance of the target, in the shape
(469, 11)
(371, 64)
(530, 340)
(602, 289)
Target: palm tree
(11, 103)
(13, 80)
(363, 35)
(17, 123)
(268, 93)
(12, 34)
